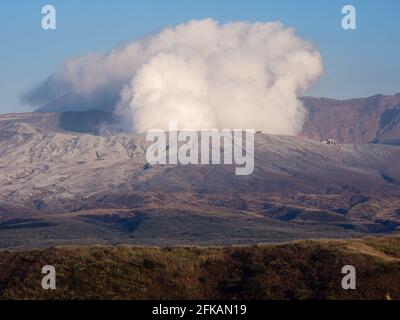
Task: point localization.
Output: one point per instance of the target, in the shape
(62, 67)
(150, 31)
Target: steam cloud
(201, 74)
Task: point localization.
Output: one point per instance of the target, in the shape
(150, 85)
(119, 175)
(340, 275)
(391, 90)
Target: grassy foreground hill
(300, 270)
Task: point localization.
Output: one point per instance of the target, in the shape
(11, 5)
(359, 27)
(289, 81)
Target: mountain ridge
(374, 119)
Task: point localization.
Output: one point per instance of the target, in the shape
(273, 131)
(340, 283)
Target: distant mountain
(68, 102)
(367, 120)
(374, 119)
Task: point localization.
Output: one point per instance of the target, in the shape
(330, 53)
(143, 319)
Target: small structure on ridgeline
(330, 142)
(100, 156)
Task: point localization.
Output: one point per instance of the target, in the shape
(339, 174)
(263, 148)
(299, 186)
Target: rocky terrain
(64, 187)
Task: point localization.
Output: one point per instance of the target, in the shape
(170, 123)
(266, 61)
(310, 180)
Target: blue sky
(357, 63)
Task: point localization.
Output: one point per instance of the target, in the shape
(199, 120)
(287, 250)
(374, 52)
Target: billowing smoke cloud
(202, 75)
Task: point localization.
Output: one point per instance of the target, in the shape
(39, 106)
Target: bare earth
(61, 187)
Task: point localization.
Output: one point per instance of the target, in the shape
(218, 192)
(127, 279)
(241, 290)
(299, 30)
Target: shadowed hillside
(374, 119)
(303, 270)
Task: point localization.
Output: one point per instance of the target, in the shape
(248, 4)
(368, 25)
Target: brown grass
(301, 270)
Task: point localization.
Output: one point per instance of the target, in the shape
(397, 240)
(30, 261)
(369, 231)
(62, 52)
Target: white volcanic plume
(203, 75)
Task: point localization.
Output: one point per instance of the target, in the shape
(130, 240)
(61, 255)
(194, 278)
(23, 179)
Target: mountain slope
(363, 120)
(303, 270)
(373, 119)
(82, 188)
